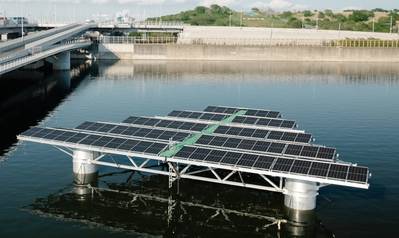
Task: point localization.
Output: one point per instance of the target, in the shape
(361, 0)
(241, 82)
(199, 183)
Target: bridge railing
(344, 43)
(137, 40)
(37, 53)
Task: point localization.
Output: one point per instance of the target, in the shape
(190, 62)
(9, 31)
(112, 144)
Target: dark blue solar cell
(76, 138)
(283, 165)
(288, 124)
(301, 167)
(247, 160)
(231, 158)
(276, 148)
(215, 156)
(264, 162)
(106, 128)
(31, 131)
(84, 125)
(185, 152)
(319, 169)
(309, 151)
(358, 174)
(338, 171)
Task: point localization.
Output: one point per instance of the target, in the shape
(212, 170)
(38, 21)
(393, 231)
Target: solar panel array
(224, 130)
(106, 142)
(309, 151)
(255, 121)
(264, 134)
(275, 164)
(190, 126)
(275, 150)
(133, 131)
(250, 112)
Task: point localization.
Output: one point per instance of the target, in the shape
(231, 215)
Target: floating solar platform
(221, 140)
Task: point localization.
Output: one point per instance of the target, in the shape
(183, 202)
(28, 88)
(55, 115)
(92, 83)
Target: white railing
(137, 40)
(359, 43)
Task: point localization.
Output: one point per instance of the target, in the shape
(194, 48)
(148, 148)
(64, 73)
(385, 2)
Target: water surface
(353, 107)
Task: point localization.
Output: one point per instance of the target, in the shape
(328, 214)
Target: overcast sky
(67, 10)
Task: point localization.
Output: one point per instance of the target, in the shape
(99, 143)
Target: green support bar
(191, 140)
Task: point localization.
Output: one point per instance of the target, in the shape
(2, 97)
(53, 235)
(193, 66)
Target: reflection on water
(144, 205)
(26, 97)
(365, 73)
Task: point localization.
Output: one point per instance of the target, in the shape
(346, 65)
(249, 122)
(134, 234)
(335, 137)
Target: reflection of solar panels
(219, 143)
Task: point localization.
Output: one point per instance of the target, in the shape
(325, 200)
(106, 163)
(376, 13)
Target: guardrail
(363, 43)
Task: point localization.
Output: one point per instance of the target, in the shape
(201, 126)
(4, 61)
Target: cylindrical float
(300, 195)
(84, 171)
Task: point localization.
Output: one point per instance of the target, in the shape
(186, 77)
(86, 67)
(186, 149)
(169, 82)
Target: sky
(78, 10)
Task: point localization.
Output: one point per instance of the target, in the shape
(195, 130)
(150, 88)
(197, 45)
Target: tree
(329, 13)
(200, 10)
(286, 14)
(307, 13)
(361, 15)
(321, 15)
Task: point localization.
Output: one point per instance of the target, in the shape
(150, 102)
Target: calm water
(353, 107)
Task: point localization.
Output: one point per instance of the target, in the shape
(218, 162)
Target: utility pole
(241, 18)
(390, 24)
(373, 24)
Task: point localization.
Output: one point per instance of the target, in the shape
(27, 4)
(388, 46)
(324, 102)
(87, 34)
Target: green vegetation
(356, 20)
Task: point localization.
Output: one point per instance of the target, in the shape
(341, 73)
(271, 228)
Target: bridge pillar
(84, 171)
(63, 61)
(300, 195)
(4, 37)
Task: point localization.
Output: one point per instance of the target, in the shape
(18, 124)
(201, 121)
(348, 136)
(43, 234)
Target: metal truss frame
(181, 170)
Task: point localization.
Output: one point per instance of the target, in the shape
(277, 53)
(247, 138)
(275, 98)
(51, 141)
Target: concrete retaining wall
(265, 53)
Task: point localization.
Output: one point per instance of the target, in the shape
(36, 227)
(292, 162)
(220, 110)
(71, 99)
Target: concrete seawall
(259, 53)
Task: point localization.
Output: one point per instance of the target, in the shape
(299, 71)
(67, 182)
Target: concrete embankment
(260, 53)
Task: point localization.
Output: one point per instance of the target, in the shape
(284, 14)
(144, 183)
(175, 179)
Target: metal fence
(345, 43)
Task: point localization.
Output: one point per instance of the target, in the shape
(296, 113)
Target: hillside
(355, 20)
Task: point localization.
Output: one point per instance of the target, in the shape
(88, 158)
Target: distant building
(18, 20)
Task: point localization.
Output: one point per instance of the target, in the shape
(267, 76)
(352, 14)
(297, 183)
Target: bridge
(142, 26)
(52, 45)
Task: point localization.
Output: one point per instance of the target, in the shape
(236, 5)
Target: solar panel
(264, 134)
(248, 120)
(279, 148)
(358, 174)
(105, 142)
(319, 169)
(283, 164)
(300, 167)
(198, 115)
(165, 123)
(135, 131)
(338, 171)
(250, 112)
